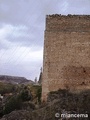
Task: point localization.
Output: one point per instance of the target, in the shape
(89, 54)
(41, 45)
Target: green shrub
(14, 103)
(24, 95)
(38, 94)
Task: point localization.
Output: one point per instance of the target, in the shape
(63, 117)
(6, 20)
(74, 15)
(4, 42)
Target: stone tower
(66, 62)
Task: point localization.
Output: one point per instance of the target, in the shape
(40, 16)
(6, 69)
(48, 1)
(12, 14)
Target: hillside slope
(14, 79)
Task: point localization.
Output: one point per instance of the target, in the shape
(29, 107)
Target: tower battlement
(68, 23)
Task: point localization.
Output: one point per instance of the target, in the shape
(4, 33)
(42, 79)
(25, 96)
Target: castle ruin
(66, 63)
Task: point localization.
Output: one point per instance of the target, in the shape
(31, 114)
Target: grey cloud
(27, 41)
(33, 36)
(21, 10)
(3, 46)
(77, 7)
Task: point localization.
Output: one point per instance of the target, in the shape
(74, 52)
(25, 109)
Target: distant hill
(14, 79)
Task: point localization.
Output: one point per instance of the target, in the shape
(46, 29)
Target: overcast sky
(22, 25)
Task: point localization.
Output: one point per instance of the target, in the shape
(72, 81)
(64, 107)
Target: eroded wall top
(80, 23)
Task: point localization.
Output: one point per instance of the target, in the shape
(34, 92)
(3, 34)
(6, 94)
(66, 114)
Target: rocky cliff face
(14, 79)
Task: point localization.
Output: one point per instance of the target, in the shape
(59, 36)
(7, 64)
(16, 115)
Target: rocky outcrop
(17, 115)
(61, 101)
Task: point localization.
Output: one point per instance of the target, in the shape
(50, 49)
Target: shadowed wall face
(66, 53)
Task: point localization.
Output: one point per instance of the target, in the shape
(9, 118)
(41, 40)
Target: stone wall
(66, 61)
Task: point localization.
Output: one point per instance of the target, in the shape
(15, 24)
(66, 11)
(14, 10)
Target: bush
(25, 96)
(38, 94)
(14, 103)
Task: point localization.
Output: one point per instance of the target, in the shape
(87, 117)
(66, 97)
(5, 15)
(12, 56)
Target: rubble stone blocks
(66, 61)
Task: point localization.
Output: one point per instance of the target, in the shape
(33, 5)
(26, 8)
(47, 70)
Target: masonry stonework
(66, 62)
